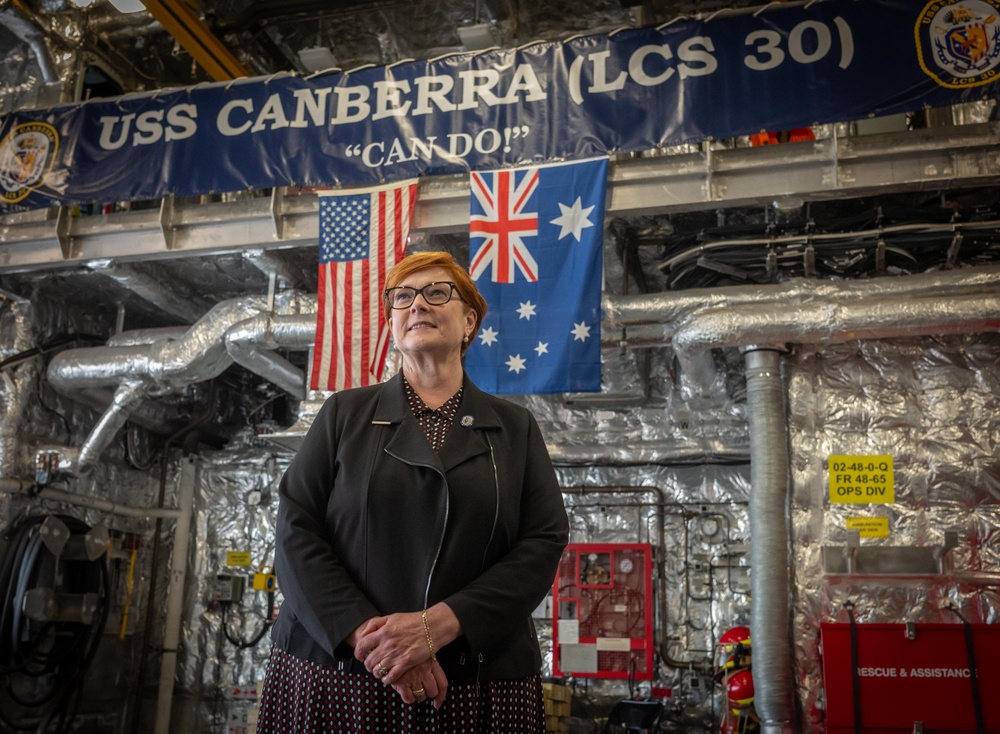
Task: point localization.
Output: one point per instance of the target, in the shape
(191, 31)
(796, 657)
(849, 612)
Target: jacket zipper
(444, 527)
(496, 512)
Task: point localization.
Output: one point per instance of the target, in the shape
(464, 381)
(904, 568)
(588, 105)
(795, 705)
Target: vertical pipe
(175, 595)
(770, 554)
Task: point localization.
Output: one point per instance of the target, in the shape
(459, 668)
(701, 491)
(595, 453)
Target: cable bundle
(42, 664)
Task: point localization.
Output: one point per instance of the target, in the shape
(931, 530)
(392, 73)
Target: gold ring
(419, 692)
(381, 671)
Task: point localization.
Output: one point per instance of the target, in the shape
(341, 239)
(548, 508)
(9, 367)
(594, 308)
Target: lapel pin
(468, 420)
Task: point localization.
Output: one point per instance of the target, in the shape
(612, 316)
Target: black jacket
(372, 521)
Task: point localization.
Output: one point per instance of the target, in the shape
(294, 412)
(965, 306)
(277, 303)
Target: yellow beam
(181, 22)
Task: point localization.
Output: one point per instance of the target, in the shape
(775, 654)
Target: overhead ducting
(154, 363)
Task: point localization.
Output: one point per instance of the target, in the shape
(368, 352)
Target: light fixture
(317, 58)
(128, 6)
(476, 37)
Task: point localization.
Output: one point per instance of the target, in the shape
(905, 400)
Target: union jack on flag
(504, 223)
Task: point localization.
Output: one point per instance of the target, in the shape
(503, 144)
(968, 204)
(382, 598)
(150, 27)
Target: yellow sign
(870, 527)
(238, 558)
(861, 479)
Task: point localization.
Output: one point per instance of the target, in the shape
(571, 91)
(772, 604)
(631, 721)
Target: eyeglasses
(435, 294)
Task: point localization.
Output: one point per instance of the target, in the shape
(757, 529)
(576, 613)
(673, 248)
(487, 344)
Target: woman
(419, 525)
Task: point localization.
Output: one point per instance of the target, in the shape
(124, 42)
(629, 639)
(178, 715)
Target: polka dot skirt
(303, 697)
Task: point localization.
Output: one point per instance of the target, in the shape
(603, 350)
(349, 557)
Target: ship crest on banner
(962, 40)
(26, 156)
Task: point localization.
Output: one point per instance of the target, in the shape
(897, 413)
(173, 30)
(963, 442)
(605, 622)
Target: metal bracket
(911, 631)
(168, 222)
(278, 210)
(888, 560)
(64, 229)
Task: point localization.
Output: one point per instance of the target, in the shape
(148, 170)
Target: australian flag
(536, 244)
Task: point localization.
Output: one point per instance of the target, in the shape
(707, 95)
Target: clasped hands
(394, 649)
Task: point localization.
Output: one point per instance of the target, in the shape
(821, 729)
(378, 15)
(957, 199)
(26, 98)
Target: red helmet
(734, 651)
(733, 637)
(739, 689)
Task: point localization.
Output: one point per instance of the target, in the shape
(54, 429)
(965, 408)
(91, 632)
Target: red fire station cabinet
(915, 677)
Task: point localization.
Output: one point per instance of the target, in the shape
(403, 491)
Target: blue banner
(536, 237)
(726, 75)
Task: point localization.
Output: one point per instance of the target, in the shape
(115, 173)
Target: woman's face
(431, 329)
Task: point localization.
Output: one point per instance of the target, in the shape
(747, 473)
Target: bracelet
(427, 632)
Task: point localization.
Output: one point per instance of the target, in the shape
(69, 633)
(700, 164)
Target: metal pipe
(660, 505)
(126, 397)
(770, 552)
(137, 337)
(175, 594)
(115, 508)
(250, 342)
(671, 306)
(661, 453)
(826, 322)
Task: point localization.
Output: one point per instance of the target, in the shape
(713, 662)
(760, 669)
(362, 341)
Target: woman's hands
(395, 649)
(395, 643)
(424, 681)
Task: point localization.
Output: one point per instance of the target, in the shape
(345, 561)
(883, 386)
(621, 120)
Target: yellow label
(861, 479)
(869, 527)
(238, 558)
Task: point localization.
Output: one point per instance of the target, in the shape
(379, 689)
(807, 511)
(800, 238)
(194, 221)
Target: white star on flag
(489, 336)
(580, 331)
(527, 310)
(573, 219)
(515, 363)
(542, 348)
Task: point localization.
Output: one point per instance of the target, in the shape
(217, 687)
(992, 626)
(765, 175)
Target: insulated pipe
(826, 322)
(199, 354)
(94, 503)
(770, 554)
(250, 342)
(137, 337)
(671, 306)
(702, 451)
(128, 395)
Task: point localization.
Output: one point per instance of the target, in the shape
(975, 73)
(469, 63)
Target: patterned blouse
(434, 423)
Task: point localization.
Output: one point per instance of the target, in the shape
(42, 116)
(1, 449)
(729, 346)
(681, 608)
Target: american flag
(361, 236)
(504, 225)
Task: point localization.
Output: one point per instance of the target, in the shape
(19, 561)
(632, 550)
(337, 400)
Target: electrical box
(602, 611)
(228, 588)
(265, 580)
